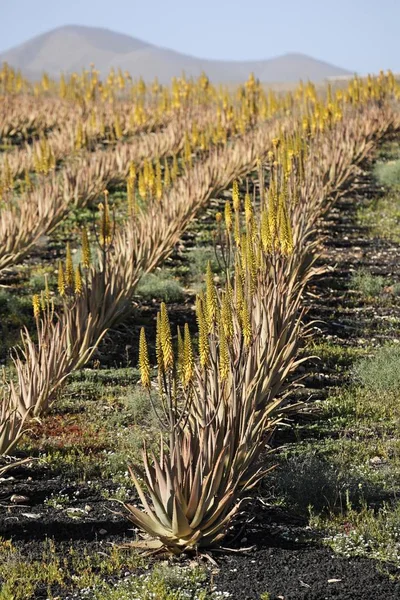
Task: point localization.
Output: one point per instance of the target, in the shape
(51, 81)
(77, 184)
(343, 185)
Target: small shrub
(388, 173)
(382, 216)
(380, 373)
(124, 376)
(198, 259)
(308, 480)
(160, 286)
(133, 409)
(322, 478)
(369, 285)
(163, 583)
(369, 533)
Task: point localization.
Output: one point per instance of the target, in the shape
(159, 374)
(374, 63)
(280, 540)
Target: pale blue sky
(361, 35)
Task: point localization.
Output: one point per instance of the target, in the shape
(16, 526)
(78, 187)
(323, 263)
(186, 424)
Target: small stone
(31, 515)
(19, 499)
(102, 531)
(75, 511)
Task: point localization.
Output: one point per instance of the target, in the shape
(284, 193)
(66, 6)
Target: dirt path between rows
(285, 563)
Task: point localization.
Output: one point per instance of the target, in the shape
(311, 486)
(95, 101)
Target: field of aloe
(198, 319)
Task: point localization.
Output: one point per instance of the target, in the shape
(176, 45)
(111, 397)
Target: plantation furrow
(78, 184)
(64, 144)
(249, 337)
(193, 121)
(25, 116)
(68, 342)
(345, 458)
(107, 298)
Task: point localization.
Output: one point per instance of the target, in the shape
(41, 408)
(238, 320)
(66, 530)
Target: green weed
(380, 373)
(160, 286)
(163, 583)
(369, 285)
(388, 173)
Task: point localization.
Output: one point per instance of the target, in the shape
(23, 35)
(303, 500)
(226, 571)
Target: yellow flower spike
(79, 138)
(117, 127)
(187, 152)
(166, 338)
(61, 279)
(105, 235)
(204, 350)
(228, 216)
(266, 240)
(158, 181)
(159, 350)
(218, 217)
(146, 172)
(248, 208)
(142, 185)
(246, 323)
(36, 306)
(243, 253)
(144, 364)
(188, 362)
(211, 298)
(285, 232)
(224, 362)
(86, 253)
(235, 196)
(167, 175)
(78, 287)
(132, 171)
(69, 269)
(151, 178)
(226, 315)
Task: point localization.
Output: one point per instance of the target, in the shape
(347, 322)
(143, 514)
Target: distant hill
(73, 47)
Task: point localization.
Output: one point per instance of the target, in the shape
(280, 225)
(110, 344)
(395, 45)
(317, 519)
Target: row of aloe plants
(221, 409)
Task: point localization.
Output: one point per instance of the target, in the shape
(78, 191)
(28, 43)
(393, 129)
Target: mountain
(70, 48)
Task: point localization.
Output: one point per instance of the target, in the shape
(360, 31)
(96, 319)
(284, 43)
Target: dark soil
(305, 573)
(84, 515)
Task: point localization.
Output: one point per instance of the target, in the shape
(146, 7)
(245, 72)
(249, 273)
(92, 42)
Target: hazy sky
(361, 35)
